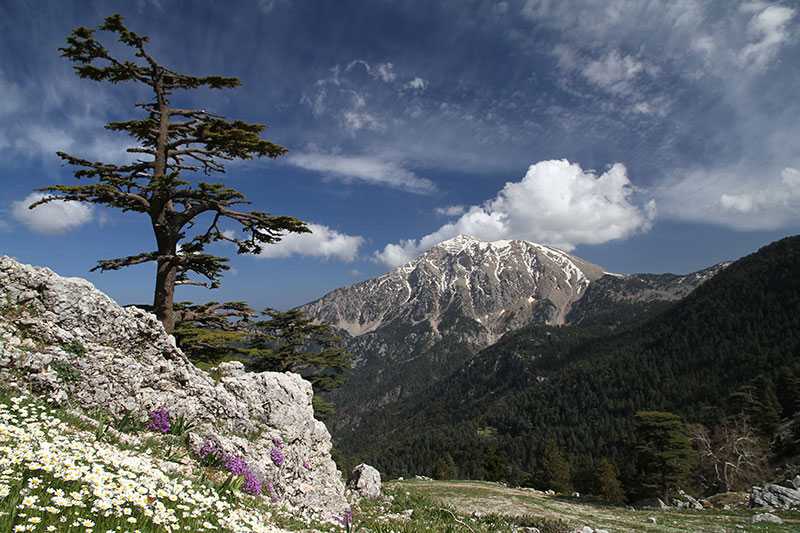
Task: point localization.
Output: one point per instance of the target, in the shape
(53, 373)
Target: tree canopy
(171, 143)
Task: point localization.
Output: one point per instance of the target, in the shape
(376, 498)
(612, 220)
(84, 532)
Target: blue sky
(642, 136)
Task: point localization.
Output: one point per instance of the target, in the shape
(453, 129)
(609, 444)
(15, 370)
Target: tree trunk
(165, 293)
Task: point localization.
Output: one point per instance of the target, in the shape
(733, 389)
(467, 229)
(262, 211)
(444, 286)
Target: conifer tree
(289, 341)
(212, 332)
(607, 482)
(664, 455)
(171, 143)
(555, 468)
(445, 467)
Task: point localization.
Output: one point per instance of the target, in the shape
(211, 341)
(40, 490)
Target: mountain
(618, 300)
(581, 384)
(423, 320)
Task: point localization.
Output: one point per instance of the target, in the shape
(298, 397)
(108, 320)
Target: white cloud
(556, 203)
(780, 195)
(769, 31)
(321, 242)
(417, 84)
(450, 210)
(366, 169)
(53, 217)
(384, 72)
(614, 71)
(740, 198)
(362, 120)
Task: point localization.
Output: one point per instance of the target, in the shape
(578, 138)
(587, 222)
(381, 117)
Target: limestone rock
(686, 501)
(767, 517)
(366, 481)
(64, 339)
(775, 497)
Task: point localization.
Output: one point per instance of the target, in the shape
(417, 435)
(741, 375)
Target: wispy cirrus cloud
(370, 170)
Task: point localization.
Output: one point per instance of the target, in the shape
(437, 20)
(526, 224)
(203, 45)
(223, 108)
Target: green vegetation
(507, 507)
(172, 143)
(582, 387)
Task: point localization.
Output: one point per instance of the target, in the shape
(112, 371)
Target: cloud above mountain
(556, 203)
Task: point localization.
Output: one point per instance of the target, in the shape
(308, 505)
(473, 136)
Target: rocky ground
(65, 342)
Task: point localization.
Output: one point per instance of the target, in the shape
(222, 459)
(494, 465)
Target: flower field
(56, 477)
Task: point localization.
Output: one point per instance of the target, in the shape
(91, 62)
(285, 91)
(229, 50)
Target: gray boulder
(365, 481)
(775, 497)
(686, 501)
(768, 518)
(63, 339)
(796, 482)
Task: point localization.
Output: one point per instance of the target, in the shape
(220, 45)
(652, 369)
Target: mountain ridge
(422, 320)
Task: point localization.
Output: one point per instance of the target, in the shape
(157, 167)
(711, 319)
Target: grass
(464, 497)
(60, 471)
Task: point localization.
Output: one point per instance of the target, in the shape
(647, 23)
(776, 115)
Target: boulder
(796, 482)
(768, 518)
(686, 501)
(365, 481)
(775, 497)
(63, 339)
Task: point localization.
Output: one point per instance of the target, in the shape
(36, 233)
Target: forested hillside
(580, 387)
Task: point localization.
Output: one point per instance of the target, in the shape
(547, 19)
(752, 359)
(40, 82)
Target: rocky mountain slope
(582, 384)
(423, 320)
(62, 339)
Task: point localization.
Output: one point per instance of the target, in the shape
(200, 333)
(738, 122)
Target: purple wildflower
(277, 442)
(209, 448)
(236, 465)
(252, 485)
(159, 420)
(277, 456)
(306, 465)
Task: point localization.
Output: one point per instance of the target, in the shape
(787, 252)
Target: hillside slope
(423, 320)
(741, 324)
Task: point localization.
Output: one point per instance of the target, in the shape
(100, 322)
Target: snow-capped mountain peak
(494, 285)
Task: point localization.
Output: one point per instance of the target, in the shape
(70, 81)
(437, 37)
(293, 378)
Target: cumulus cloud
(321, 242)
(450, 210)
(51, 218)
(365, 169)
(556, 203)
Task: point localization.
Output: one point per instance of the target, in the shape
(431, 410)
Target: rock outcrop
(365, 481)
(775, 497)
(63, 339)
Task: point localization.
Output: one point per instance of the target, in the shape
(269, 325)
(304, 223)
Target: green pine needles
(171, 143)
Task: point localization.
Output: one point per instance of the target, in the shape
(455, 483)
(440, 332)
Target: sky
(644, 136)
